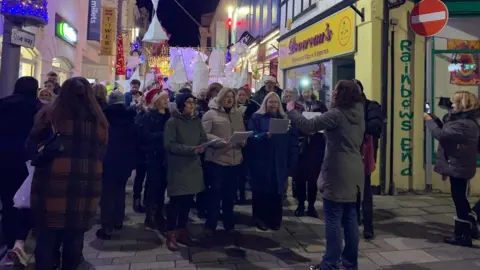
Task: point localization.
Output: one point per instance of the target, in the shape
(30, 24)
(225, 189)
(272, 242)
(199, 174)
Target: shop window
(275, 11)
(455, 63)
(317, 77)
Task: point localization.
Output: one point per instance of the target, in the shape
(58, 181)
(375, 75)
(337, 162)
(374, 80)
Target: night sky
(183, 30)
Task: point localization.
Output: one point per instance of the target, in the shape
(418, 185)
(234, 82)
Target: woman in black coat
(312, 151)
(456, 158)
(118, 163)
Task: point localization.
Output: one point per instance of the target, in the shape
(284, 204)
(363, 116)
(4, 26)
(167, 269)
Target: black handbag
(48, 151)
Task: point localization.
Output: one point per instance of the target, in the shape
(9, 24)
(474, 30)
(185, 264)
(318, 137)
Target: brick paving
(409, 233)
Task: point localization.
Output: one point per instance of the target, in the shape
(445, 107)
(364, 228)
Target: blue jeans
(222, 190)
(338, 215)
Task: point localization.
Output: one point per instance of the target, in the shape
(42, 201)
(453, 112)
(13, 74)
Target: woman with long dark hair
(66, 188)
(342, 171)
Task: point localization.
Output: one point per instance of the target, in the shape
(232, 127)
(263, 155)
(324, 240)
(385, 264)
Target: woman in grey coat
(457, 158)
(342, 170)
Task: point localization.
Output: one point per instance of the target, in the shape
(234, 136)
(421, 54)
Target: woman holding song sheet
(224, 158)
(273, 156)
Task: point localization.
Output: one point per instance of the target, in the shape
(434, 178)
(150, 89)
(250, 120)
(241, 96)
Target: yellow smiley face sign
(345, 31)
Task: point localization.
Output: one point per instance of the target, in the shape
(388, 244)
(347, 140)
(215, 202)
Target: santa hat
(152, 96)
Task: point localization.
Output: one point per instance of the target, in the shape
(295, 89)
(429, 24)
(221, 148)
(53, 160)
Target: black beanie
(180, 100)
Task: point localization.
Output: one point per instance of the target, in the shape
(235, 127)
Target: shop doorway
(453, 60)
(62, 67)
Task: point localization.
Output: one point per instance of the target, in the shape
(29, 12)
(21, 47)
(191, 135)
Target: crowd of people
(85, 144)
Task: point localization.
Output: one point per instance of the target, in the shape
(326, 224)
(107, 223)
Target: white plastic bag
(22, 197)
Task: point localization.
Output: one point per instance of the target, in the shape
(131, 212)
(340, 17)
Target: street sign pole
(10, 60)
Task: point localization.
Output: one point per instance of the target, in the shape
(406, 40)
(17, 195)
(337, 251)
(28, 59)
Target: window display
(317, 77)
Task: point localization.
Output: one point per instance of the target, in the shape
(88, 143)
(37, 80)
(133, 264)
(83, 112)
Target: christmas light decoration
(120, 67)
(34, 11)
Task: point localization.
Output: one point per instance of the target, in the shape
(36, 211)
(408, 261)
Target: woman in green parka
(182, 136)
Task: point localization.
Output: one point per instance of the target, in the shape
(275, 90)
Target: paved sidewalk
(409, 235)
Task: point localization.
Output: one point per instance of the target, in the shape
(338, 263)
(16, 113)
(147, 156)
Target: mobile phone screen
(427, 108)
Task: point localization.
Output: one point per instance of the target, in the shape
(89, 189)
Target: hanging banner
(464, 67)
(108, 31)
(94, 20)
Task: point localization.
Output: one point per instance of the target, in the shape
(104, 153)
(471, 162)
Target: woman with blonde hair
(457, 158)
(45, 96)
(271, 158)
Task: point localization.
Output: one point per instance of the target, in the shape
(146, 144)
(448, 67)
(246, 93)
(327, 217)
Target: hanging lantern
(156, 32)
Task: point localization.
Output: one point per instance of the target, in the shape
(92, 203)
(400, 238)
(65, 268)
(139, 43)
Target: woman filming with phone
(457, 159)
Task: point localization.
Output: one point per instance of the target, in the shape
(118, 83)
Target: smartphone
(427, 108)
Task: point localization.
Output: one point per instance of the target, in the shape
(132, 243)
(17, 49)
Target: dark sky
(183, 30)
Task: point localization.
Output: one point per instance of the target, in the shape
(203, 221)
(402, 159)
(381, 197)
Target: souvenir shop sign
(331, 37)
(108, 31)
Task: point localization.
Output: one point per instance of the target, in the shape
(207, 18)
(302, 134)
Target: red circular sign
(428, 17)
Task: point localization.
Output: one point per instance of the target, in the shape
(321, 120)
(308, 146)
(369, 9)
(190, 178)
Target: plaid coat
(66, 194)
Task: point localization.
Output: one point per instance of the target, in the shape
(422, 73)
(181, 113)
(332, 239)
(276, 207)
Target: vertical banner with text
(108, 31)
(94, 20)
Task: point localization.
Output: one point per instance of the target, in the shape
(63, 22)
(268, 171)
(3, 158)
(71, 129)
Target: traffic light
(229, 22)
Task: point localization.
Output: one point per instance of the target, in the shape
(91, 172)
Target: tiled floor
(409, 233)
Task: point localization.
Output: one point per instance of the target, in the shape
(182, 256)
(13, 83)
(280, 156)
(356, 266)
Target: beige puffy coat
(220, 124)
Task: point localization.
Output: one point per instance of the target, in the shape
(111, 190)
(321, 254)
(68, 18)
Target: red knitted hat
(152, 95)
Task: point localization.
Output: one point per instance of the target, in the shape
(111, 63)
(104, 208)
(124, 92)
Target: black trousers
(267, 208)
(365, 207)
(458, 188)
(48, 242)
(16, 223)
(242, 180)
(141, 171)
(305, 190)
(177, 212)
(156, 185)
(201, 200)
(112, 201)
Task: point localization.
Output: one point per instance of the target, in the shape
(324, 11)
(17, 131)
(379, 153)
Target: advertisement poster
(108, 31)
(464, 67)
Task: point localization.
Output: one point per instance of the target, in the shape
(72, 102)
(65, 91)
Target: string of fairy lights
(26, 8)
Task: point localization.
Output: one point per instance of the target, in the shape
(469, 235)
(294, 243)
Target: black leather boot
(462, 235)
(472, 217)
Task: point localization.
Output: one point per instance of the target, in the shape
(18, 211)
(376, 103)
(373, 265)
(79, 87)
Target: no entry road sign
(428, 17)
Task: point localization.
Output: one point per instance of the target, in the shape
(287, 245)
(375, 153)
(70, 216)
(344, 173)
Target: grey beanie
(116, 97)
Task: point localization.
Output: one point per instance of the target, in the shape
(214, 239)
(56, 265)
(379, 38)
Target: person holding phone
(182, 136)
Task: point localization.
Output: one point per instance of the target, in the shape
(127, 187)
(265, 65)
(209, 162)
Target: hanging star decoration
(155, 33)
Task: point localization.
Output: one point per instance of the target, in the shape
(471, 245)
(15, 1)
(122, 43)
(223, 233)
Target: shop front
(453, 64)
(317, 56)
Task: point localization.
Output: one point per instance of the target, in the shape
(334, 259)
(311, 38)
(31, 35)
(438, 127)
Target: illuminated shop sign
(65, 31)
(460, 67)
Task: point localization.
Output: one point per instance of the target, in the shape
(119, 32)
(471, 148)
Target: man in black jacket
(17, 116)
(373, 127)
(270, 85)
